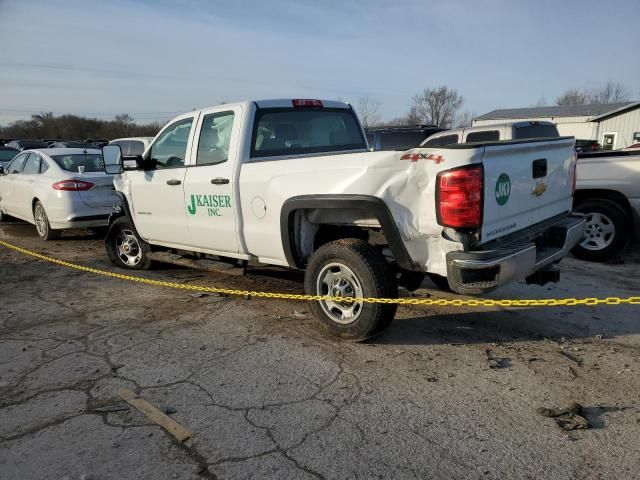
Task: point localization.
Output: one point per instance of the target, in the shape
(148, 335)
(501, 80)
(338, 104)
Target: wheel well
(308, 221)
(314, 227)
(620, 199)
(33, 204)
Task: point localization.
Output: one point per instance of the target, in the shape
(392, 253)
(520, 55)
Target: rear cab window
(299, 131)
(442, 141)
(485, 136)
(400, 140)
(535, 131)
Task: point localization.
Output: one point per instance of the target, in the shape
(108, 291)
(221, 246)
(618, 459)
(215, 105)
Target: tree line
(442, 106)
(74, 127)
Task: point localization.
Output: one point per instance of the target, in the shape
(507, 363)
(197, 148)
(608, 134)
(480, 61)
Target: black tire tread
(118, 224)
(621, 222)
(51, 234)
(380, 273)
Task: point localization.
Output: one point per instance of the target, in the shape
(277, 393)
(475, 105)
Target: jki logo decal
(503, 189)
(213, 204)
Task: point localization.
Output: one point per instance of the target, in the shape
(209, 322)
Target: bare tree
(541, 102)
(610, 92)
(465, 119)
(367, 110)
(125, 123)
(437, 106)
(574, 96)
(45, 124)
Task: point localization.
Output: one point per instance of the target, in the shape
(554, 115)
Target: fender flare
(123, 211)
(375, 205)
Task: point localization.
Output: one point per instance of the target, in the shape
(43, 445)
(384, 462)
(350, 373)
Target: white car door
(9, 203)
(157, 193)
(211, 200)
(23, 185)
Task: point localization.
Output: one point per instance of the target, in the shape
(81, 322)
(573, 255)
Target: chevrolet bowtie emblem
(539, 189)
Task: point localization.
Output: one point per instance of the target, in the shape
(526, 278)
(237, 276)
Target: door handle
(219, 181)
(173, 181)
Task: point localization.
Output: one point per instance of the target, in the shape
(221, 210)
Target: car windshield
(6, 155)
(92, 162)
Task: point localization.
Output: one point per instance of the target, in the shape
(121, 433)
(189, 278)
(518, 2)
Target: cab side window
(16, 164)
(32, 165)
(215, 137)
(170, 148)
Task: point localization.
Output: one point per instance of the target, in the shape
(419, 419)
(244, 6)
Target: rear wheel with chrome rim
(125, 248)
(42, 223)
(345, 271)
(606, 232)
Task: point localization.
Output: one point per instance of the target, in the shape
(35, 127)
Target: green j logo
(192, 208)
(503, 189)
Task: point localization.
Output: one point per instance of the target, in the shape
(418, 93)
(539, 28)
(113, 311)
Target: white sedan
(57, 189)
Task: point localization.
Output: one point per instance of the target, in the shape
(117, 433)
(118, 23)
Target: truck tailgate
(525, 182)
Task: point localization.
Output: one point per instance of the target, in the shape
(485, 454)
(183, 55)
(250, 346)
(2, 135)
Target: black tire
(360, 268)
(132, 256)
(607, 232)
(43, 227)
(441, 282)
(411, 281)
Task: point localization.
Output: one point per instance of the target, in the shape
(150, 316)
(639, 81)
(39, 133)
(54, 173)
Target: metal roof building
(614, 125)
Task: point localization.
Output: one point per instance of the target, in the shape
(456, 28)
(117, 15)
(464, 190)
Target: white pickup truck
(292, 183)
(608, 193)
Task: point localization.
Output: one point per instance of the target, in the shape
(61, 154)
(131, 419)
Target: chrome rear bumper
(484, 270)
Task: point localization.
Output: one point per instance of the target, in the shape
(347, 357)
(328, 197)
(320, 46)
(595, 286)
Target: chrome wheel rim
(41, 220)
(599, 232)
(338, 281)
(128, 248)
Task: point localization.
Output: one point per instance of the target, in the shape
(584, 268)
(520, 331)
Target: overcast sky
(153, 59)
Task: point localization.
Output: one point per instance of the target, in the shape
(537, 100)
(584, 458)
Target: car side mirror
(112, 157)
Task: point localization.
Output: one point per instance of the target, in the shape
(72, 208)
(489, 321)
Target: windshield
(292, 131)
(6, 155)
(92, 162)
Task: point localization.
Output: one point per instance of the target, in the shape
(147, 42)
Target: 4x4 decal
(213, 204)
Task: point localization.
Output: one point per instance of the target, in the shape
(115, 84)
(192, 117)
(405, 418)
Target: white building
(614, 125)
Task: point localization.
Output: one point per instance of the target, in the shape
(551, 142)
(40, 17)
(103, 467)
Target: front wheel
(606, 232)
(350, 268)
(125, 248)
(42, 223)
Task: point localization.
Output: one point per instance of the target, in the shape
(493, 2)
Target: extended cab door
(210, 185)
(157, 192)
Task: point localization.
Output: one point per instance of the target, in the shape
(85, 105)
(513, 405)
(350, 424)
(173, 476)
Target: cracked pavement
(444, 393)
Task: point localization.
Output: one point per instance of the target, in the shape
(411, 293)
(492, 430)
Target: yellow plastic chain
(439, 302)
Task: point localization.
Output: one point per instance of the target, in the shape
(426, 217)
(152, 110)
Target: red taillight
(306, 102)
(72, 185)
(459, 197)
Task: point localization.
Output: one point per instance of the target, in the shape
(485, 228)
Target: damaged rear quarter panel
(407, 187)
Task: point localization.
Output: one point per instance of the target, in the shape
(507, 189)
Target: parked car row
(26, 144)
(61, 185)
